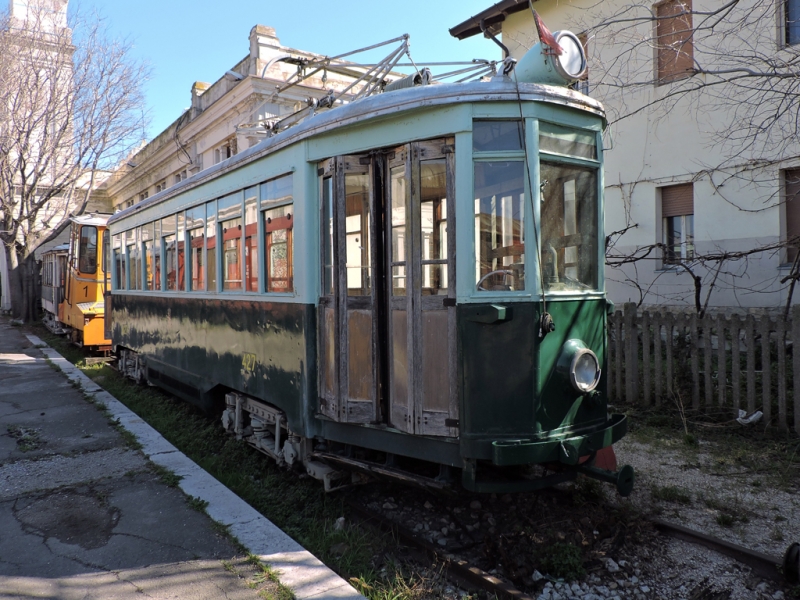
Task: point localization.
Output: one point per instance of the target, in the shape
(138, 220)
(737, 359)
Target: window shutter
(792, 188)
(674, 38)
(677, 200)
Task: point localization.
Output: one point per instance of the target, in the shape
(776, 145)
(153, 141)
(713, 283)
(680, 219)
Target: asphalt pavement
(84, 516)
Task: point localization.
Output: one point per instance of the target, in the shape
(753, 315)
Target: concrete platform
(82, 516)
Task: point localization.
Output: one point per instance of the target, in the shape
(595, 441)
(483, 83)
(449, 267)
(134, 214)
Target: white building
(701, 193)
(224, 117)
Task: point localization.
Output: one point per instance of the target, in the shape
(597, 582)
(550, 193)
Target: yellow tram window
(499, 226)
(278, 225)
(87, 250)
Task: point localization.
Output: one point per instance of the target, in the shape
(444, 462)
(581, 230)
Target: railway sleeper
(264, 427)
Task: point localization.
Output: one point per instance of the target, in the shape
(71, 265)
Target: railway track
(779, 570)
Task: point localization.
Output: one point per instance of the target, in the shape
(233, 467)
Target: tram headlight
(580, 365)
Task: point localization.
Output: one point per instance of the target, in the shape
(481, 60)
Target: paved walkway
(84, 517)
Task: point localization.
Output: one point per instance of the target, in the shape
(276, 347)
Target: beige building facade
(225, 117)
(700, 165)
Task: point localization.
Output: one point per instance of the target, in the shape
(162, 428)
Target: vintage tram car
(74, 282)
(413, 276)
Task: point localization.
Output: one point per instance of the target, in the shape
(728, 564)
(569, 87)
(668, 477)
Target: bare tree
(70, 107)
(732, 65)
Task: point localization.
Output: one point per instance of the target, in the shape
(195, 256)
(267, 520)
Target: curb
(297, 568)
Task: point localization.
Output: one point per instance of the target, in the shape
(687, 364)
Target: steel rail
(763, 564)
(458, 570)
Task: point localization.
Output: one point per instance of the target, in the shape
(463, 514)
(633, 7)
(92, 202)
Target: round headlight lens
(585, 371)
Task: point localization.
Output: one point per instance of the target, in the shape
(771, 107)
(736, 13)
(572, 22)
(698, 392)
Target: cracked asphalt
(81, 515)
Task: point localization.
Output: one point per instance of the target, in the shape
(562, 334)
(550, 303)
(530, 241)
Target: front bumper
(565, 450)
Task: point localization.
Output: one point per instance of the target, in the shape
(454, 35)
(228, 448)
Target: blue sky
(186, 41)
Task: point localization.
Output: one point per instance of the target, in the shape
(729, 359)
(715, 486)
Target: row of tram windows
(568, 206)
(241, 242)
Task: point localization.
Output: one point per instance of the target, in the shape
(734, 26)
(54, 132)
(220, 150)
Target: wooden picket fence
(719, 361)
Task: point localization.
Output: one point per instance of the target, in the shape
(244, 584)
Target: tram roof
(411, 99)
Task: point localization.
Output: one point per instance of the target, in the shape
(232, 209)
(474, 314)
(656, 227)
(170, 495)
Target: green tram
(408, 282)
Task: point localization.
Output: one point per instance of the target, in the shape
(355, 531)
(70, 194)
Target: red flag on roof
(547, 38)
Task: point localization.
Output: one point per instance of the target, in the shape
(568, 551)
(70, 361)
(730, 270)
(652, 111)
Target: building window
(792, 22)
(225, 151)
(791, 186)
(677, 214)
(161, 186)
(181, 176)
(144, 196)
(675, 59)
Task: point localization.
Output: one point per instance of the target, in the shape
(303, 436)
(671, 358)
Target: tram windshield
(569, 227)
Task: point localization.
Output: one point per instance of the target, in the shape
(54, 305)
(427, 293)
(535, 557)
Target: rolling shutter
(677, 200)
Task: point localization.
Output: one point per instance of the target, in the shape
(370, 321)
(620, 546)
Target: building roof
(491, 16)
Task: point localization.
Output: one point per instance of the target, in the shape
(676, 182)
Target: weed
(167, 477)
(588, 490)
(725, 520)
(776, 534)
(671, 493)
(561, 560)
(127, 437)
(27, 439)
(266, 580)
(197, 504)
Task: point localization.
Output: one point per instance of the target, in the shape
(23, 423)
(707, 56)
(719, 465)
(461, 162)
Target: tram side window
(251, 239)
(278, 219)
(211, 246)
(278, 225)
(359, 273)
(170, 262)
(87, 250)
(152, 264)
(135, 275)
(180, 274)
(232, 254)
(121, 281)
(499, 225)
(195, 238)
(569, 215)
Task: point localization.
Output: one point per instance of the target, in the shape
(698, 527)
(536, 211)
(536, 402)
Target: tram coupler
(622, 479)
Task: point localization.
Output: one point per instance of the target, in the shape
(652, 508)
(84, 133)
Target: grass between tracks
(296, 504)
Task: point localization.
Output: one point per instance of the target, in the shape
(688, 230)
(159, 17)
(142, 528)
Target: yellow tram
(76, 290)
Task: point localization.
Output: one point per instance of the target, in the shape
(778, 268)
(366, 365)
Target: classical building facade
(225, 117)
(701, 163)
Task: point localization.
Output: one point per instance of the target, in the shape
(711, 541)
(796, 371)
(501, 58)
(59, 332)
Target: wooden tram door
(420, 266)
(388, 289)
(348, 320)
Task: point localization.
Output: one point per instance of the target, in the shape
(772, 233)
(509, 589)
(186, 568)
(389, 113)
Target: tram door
(348, 321)
(388, 289)
(420, 271)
